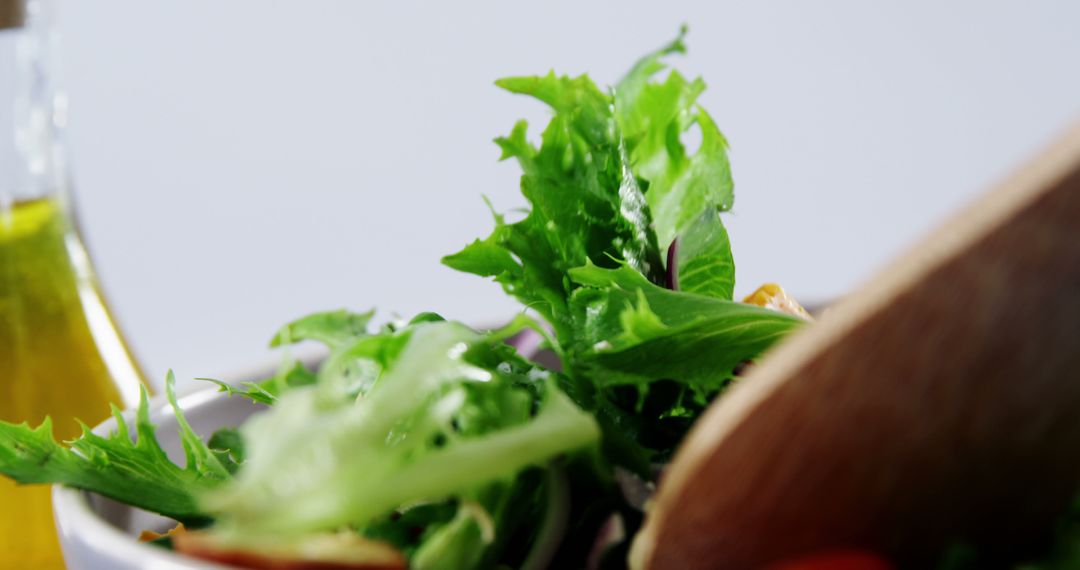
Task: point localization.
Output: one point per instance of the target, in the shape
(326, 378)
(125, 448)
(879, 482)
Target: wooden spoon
(940, 402)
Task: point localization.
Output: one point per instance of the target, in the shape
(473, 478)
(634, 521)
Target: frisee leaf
(627, 151)
(292, 374)
(450, 410)
(133, 470)
(254, 391)
(586, 205)
(330, 328)
(199, 457)
(654, 118)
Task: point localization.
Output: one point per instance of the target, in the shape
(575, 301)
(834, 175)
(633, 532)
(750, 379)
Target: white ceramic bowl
(99, 534)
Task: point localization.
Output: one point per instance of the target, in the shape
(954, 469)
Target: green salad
(426, 443)
(429, 444)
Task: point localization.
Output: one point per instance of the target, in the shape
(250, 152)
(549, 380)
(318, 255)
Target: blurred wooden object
(11, 14)
(941, 401)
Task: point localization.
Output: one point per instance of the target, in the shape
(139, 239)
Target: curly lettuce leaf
(126, 465)
(292, 374)
(654, 117)
(438, 422)
(632, 349)
(586, 204)
(329, 327)
(612, 182)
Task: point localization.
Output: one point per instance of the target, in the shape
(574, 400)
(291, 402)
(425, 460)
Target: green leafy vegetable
(654, 117)
(135, 470)
(330, 328)
(617, 309)
(586, 202)
(642, 333)
(704, 264)
(446, 442)
(292, 374)
(228, 446)
(435, 423)
(612, 182)
(633, 334)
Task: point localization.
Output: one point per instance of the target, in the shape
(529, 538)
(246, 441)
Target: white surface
(242, 163)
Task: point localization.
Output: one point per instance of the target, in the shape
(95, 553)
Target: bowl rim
(78, 523)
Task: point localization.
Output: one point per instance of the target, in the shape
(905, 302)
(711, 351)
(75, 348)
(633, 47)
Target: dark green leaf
(586, 205)
(701, 355)
(634, 332)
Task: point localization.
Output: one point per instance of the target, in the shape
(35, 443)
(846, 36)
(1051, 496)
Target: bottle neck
(32, 108)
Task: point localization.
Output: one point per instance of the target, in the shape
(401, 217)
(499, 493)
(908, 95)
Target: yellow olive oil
(61, 356)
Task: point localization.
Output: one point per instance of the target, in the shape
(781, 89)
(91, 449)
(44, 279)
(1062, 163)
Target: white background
(242, 163)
